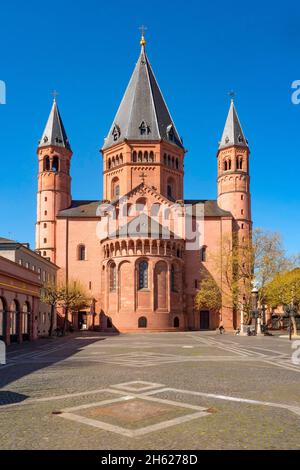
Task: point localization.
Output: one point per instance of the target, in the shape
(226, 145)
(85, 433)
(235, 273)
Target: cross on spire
(143, 176)
(143, 29)
(54, 94)
(232, 95)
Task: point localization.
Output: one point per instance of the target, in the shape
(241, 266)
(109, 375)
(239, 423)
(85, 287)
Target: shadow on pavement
(41, 354)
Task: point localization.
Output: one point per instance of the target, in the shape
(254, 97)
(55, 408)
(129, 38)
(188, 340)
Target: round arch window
(142, 323)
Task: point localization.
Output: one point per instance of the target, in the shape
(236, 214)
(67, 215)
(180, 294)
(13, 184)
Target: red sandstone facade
(131, 250)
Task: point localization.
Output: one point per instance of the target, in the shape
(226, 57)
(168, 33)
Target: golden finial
(143, 40)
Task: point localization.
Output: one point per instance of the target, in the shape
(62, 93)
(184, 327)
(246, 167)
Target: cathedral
(142, 250)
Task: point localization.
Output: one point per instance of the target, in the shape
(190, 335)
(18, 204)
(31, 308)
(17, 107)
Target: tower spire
(233, 133)
(143, 114)
(54, 133)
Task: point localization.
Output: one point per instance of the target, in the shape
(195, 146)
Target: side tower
(54, 182)
(234, 175)
(143, 139)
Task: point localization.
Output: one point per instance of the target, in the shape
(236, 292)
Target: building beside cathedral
(142, 272)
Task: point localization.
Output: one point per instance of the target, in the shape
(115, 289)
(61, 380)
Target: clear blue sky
(199, 51)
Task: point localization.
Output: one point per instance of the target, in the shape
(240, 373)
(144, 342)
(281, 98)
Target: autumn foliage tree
(284, 289)
(70, 297)
(209, 295)
(239, 265)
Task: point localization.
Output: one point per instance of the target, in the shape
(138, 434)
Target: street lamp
(256, 312)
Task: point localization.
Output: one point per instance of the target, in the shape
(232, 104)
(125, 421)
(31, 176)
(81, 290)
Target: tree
(209, 295)
(284, 289)
(73, 297)
(244, 264)
(269, 259)
(51, 295)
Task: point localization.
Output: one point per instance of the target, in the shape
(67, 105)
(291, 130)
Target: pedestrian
(221, 329)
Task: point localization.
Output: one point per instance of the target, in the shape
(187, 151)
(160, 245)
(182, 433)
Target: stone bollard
(2, 353)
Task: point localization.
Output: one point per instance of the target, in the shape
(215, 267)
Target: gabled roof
(54, 133)
(140, 187)
(143, 226)
(143, 113)
(233, 133)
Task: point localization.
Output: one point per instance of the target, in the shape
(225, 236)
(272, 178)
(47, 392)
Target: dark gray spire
(233, 133)
(54, 133)
(143, 113)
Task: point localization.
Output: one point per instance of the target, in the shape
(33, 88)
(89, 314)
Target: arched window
(146, 157)
(117, 160)
(169, 160)
(241, 164)
(26, 320)
(225, 165)
(134, 156)
(112, 277)
(140, 156)
(170, 189)
(176, 322)
(142, 322)
(14, 319)
(113, 161)
(165, 159)
(151, 157)
(81, 253)
(55, 164)
(173, 279)
(229, 165)
(115, 188)
(173, 162)
(140, 206)
(109, 164)
(143, 275)
(121, 159)
(47, 163)
(177, 163)
(2, 318)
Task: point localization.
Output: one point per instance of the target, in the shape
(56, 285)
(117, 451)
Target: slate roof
(211, 208)
(143, 106)
(88, 209)
(84, 209)
(233, 133)
(54, 133)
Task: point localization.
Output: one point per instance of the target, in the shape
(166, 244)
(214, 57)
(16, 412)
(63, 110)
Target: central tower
(143, 140)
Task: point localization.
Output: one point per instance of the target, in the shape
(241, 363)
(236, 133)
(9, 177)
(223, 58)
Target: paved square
(151, 391)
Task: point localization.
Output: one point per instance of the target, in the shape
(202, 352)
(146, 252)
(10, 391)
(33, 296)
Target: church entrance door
(204, 320)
